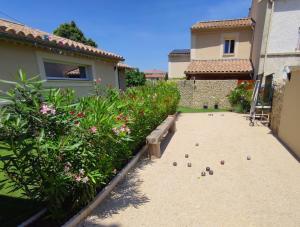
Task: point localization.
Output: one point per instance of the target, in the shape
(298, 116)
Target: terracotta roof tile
(23, 32)
(219, 66)
(154, 71)
(155, 75)
(124, 66)
(234, 23)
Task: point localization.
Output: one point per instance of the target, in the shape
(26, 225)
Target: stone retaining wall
(196, 93)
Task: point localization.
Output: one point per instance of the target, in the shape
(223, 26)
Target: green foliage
(71, 31)
(62, 151)
(135, 78)
(240, 98)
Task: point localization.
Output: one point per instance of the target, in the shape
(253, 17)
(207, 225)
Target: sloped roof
(216, 24)
(122, 65)
(219, 66)
(22, 32)
(154, 71)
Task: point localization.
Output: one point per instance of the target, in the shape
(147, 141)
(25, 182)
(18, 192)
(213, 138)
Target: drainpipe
(268, 34)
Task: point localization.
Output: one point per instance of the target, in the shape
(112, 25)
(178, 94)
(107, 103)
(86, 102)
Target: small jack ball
(203, 174)
(186, 156)
(189, 164)
(211, 172)
(207, 168)
(222, 162)
(174, 163)
(197, 144)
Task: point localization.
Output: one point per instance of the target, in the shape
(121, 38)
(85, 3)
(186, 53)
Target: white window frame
(62, 59)
(229, 36)
(230, 46)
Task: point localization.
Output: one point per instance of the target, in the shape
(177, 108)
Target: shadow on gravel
(126, 194)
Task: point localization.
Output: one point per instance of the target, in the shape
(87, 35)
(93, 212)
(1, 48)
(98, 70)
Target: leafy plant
(135, 78)
(61, 151)
(240, 98)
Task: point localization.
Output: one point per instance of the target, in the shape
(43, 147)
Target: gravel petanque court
(262, 191)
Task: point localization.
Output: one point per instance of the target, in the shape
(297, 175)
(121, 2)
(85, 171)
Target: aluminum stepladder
(255, 94)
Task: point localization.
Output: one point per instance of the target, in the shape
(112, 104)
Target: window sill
(228, 55)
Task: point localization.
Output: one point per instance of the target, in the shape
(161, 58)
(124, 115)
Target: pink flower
(77, 178)
(93, 129)
(45, 109)
(85, 180)
(98, 80)
(81, 171)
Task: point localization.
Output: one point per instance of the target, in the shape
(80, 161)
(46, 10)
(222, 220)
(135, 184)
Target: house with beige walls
(276, 54)
(220, 49)
(179, 59)
(61, 62)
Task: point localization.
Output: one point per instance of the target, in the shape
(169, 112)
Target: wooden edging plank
(75, 220)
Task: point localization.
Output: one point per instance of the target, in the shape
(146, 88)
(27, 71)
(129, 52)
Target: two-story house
(219, 50)
(276, 53)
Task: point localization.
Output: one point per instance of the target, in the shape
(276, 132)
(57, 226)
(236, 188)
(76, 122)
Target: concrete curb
(75, 220)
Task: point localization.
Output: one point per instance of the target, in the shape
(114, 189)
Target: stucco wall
(14, 57)
(177, 65)
(260, 12)
(210, 45)
(284, 33)
(289, 128)
(196, 93)
(275, 64)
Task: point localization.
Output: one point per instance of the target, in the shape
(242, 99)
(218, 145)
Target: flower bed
(64, 150)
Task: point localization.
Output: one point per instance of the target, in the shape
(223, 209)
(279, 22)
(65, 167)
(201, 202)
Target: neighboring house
(219, 50)
(179, 59)
(122, 68)
(59, 61)
(276, 52)
(155, 74)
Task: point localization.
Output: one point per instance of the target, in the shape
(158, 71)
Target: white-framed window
(229, 46)
(66, 71)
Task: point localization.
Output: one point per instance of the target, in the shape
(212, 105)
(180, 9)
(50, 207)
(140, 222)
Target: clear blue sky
(143, 31)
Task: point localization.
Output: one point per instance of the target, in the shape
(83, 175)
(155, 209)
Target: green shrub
(240, 98)
(135, 78)
(62, 151)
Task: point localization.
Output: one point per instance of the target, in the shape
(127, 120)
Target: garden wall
(195, 93)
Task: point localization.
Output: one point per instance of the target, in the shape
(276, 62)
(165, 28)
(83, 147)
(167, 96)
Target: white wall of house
(177, 65)
(284, 34)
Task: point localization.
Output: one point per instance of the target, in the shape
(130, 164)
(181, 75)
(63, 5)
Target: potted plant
(216, 106)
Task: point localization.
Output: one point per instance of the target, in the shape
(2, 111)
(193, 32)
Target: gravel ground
(263, 191)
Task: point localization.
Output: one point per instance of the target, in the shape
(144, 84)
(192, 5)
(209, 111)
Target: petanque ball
(186, 156)
(207, 168)
(222, 162)
(203, 174)
(189, 164)
(211, 172)
(174, 163)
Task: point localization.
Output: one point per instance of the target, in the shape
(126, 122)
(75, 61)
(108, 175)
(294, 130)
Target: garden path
(263, 191)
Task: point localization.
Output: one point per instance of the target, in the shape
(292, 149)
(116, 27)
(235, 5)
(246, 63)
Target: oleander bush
(64, 150)
(240, 97)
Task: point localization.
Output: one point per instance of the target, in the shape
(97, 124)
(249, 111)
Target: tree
(71, 31)
(135, 78)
